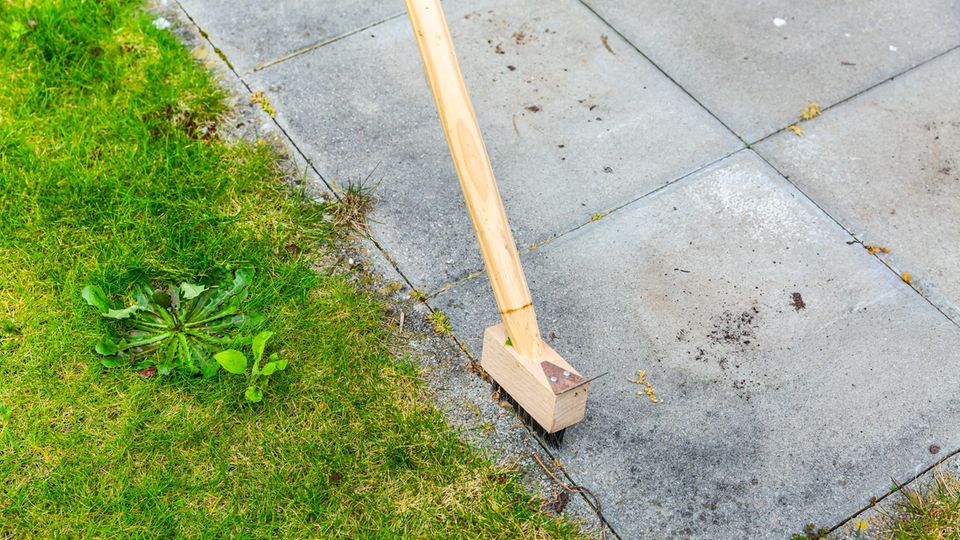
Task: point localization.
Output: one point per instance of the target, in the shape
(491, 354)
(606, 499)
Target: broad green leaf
(242, 278)
(269, 369)
(232, 360)
(186, 355)
(142, 338)
(96, 297)
(253, 394)
(110, 362)
(143, 294)
(124, 313)
(107, 347)
(259, 343)
(281, 364)
(208, 367)
(191, 291)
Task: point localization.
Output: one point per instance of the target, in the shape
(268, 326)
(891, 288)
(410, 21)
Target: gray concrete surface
(253, 32)
(796, 372)
(772, 415)
(757, 72)
(886, 165)
(589, 120)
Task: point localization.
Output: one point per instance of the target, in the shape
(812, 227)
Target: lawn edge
(461, 396)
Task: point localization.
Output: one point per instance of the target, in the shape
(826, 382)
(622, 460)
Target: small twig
(594, 500)
(400, 330)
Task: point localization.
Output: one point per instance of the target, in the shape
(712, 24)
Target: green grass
(932, 514)
(105, 177)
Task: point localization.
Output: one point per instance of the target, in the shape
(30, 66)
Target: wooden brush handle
(476, 176)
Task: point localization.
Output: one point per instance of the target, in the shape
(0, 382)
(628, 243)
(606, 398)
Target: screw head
(566, 373)
(553, 379)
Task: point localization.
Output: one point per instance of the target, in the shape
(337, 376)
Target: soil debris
(558, 503)
(734, 329)
(606, 44)
(533, 108)
(796, 300)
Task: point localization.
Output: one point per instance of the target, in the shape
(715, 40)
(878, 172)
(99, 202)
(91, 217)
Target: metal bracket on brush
(563, 380)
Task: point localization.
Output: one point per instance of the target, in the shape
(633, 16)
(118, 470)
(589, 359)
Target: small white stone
(161, 23)
(893, 48)
(778, 22)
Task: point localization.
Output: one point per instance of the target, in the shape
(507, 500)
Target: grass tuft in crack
(111, 173)
(356, 201)
(934, 513)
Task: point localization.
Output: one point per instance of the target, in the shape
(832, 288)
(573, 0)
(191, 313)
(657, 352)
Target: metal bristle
(552, 440)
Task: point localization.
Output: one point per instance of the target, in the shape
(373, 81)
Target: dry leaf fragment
(647, 387)
(812, 111)
(907, 278)
(795, 129)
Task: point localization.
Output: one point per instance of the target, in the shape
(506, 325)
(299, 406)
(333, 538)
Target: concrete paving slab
(887, 166)
(758, 64)
(796, 374)
(576, 123)
(252, 32)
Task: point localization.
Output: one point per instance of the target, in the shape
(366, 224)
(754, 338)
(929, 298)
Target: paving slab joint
(876, 501)
(669, 77)
(331, 187)
(858, 93)
(853, 236)
(597, 218)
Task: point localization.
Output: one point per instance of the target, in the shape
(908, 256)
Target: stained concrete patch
(887, 166)
(770, 416)
(251, 32)
(757, 75)
(576, 123)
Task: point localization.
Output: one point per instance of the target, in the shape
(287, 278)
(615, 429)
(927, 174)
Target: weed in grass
(235, 362)
(178, 328)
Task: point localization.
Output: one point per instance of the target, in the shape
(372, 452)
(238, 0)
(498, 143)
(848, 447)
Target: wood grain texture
(476, 176)
(524, 379)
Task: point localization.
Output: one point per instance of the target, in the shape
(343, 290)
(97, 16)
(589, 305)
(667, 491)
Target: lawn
(111, 172)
